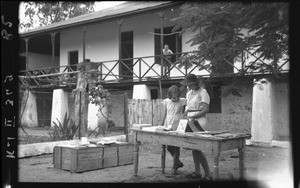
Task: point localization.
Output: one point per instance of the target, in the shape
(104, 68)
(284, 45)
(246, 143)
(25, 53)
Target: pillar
(59, 106)
(29, 117)
(93, 116)
(141, 92)
(263, 111)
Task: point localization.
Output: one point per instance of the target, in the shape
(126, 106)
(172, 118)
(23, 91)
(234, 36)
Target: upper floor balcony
(139, 70)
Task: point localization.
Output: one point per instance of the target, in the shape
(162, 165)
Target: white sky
(99, 5)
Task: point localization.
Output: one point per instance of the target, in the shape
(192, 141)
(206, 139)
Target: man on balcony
(167, 59)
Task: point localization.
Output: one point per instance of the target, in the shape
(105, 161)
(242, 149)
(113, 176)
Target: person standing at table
(174, 108)
(197, 107)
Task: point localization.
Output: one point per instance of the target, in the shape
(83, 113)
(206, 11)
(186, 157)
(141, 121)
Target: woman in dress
(197, 107)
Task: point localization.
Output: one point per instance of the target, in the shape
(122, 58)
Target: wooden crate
(80, 159)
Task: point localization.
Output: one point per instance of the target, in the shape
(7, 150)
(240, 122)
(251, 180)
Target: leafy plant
(101, 97)
(51, 12)
(224, 31)
(65, 130)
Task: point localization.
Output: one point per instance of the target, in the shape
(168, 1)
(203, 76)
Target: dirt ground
(270, 165)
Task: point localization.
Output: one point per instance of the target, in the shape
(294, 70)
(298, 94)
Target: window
(215, 98)
(154, 93)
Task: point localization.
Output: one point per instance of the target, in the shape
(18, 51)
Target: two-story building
(124, 44)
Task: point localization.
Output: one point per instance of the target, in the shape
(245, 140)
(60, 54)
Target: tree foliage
(50, 12)
(225, 30)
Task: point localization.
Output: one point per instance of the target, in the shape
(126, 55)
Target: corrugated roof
(124, 9)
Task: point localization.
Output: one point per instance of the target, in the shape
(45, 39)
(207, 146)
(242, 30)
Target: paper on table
(154, 128)
(182, 125)
(105, 142)
(225, 135)
(211, 132)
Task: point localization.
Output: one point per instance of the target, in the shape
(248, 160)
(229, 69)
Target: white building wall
(281, 128)
(40, 60)
(70, 40)
(102, 42)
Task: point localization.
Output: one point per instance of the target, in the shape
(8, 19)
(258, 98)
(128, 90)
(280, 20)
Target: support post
(53, 47)
(135, 153)
(81, 105)
(263, 111)
(59, 105)
(29, 117)
(241, 159)
(216, 162)
(120, 37)
(161, 14)
(163, 158)
(26, 45)
(83, 43)
(126, 117)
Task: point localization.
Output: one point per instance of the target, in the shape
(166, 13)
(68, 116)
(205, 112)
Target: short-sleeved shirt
(194, 102)
(167, 53)
(174, 111)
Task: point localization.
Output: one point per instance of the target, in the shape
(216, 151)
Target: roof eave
(107, 18)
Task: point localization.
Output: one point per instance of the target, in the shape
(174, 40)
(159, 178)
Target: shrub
(65, 130)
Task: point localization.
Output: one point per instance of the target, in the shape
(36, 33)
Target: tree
(50, 12)
(221, 36)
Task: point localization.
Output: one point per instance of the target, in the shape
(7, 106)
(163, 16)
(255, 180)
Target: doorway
(126, 53)
(174, 42)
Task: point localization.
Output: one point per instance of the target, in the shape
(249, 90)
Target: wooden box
(80, 159)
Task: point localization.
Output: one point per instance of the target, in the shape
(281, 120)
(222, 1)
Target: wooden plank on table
(231, 144)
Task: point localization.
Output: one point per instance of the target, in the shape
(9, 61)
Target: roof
(126, 9)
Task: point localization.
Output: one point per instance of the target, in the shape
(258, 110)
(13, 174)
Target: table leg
(163, 158)
(216, 167)
(216, 163)
(136, 154)
(241, 159)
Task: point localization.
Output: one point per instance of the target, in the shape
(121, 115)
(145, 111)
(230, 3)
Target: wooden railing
(137, 71)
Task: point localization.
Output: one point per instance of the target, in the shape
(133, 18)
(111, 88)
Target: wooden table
(208, 144)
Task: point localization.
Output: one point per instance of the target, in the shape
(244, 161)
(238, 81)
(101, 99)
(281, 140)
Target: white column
(29, 118)
(141, 92)
(263, 111)
(93, 116)
(59, 106)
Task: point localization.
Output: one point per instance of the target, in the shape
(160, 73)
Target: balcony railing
(141, 69)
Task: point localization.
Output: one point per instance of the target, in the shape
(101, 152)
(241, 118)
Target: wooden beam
(26, 44)
(83, 43)
(126, 117)
(81, 105)
(53, 46)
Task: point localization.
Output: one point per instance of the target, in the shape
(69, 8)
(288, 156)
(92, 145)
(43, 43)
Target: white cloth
(174, 111)
(194, 102)
(167, 53)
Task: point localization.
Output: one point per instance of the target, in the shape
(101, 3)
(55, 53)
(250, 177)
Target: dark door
(73, 59)
(126, 52)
